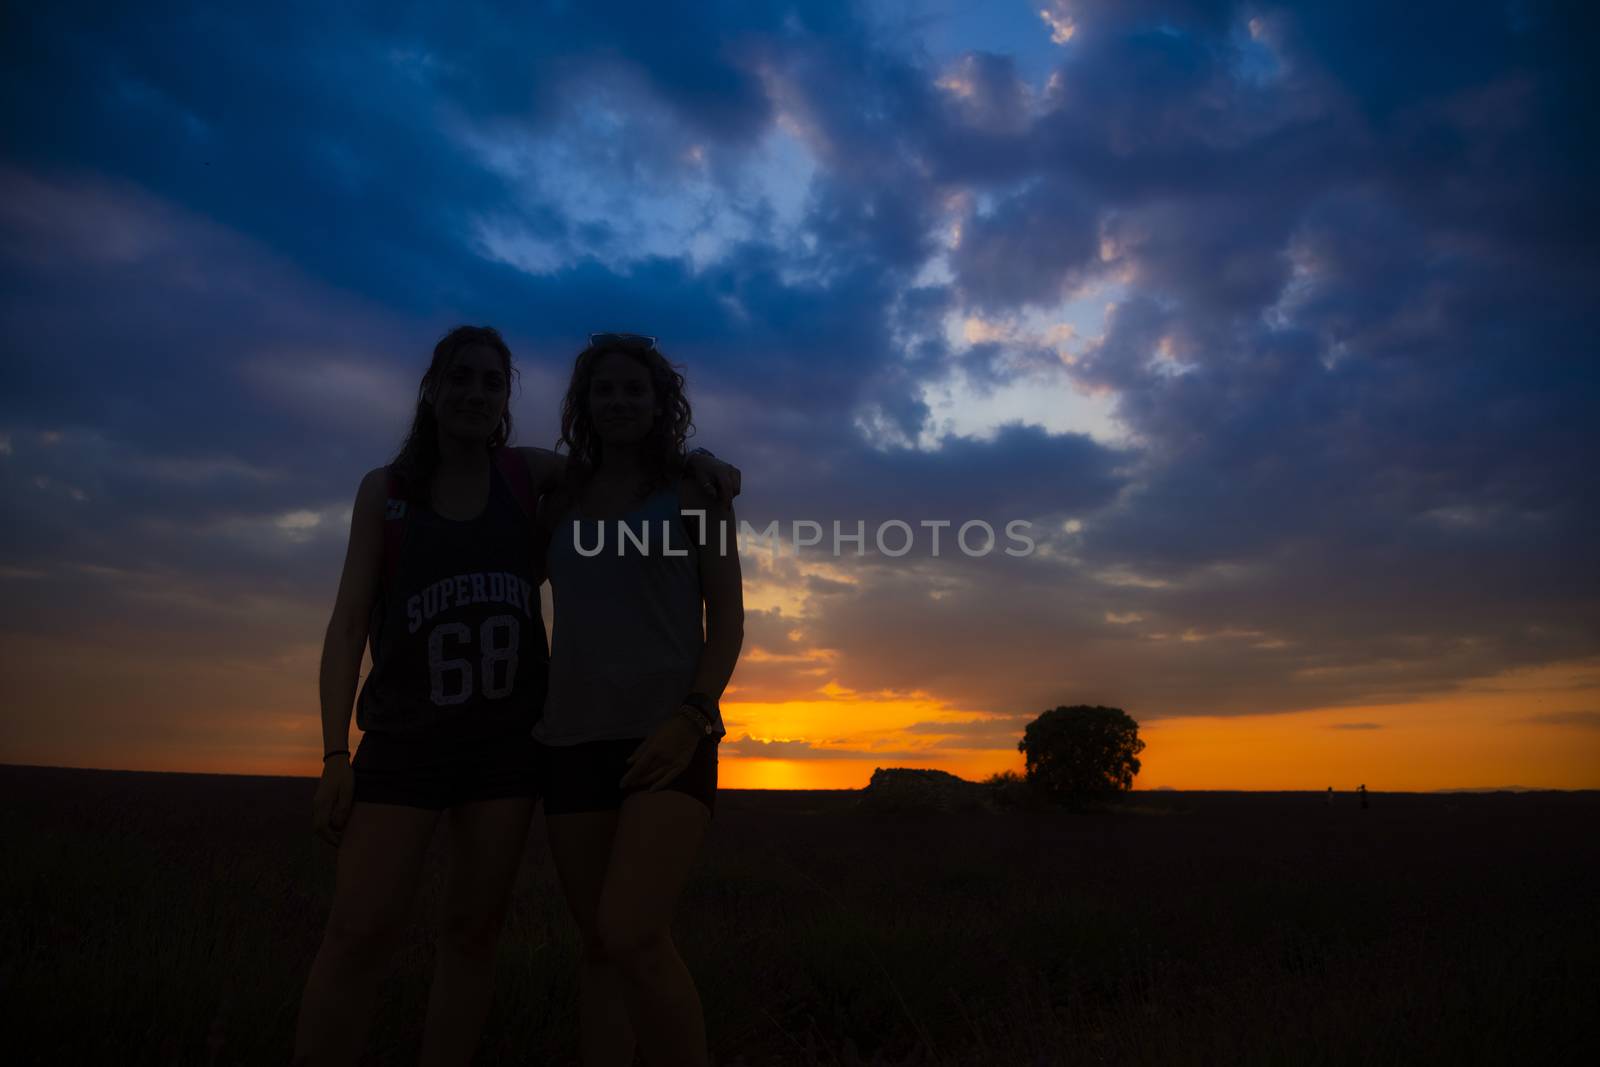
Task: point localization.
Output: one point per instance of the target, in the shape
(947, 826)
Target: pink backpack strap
(397, 509)
(515, 470)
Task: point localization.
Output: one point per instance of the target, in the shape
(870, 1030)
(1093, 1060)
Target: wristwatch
(702, 711)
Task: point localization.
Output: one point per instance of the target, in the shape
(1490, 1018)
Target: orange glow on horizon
(1483, 736)
(1529, 728)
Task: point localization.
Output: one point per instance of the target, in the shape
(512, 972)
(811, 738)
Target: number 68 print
(497, 637)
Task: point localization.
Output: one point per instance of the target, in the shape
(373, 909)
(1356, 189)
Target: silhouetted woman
(442, 574)
(631, 724)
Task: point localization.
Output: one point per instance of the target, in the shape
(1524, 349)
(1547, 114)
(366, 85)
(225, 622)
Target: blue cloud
(1342, 249)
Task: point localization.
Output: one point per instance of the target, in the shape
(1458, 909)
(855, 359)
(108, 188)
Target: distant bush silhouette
(1008, 789)
(1080, 754)
(919, 789)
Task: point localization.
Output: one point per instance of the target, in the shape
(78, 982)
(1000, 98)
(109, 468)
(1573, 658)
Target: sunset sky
(1275, 322)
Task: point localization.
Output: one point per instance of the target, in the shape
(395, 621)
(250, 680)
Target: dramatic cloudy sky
(1273, 321)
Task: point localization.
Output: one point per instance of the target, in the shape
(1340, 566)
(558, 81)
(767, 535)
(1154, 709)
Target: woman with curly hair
(635, 552)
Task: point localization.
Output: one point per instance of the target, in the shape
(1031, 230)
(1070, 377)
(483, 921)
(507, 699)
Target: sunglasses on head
(622, 340)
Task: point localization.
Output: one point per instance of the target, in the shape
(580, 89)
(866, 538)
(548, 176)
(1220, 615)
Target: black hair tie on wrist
(335, 752)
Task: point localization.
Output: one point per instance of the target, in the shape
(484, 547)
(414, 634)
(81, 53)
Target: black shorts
(585, 776)
(422, 771)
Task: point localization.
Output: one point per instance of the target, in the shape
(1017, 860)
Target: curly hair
(662, 449)
(418, 458)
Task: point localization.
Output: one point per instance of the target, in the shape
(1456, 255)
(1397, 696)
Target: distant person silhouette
(631, 724)
(1329, 799)
(1363, 791)
(442, 575)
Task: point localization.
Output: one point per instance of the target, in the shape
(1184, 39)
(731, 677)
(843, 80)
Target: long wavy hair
(418, 458)
(662, 449)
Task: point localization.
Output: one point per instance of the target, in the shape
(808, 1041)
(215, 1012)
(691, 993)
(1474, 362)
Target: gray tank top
(628, 628)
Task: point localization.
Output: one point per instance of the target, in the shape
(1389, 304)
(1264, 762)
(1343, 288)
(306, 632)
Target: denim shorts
(585, 776)
(429, 771)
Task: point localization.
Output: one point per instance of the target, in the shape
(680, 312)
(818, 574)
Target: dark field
(157, 918)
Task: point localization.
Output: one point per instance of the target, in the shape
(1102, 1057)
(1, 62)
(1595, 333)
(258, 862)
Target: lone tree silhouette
(1081, 753)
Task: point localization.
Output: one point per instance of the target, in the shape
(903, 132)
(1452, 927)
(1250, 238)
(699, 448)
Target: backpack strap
(515, 471)
(396, 511)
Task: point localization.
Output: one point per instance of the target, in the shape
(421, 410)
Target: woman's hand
(663, 755)
(335, 793)
(720, 480)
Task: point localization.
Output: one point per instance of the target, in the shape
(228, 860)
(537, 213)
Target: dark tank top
(458, 640)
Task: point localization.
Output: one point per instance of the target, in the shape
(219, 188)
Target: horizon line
(737, 789)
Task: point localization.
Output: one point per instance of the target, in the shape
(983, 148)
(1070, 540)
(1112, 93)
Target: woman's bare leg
(657, 841)
(380, 858)
(580, 846)
(487, 840)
